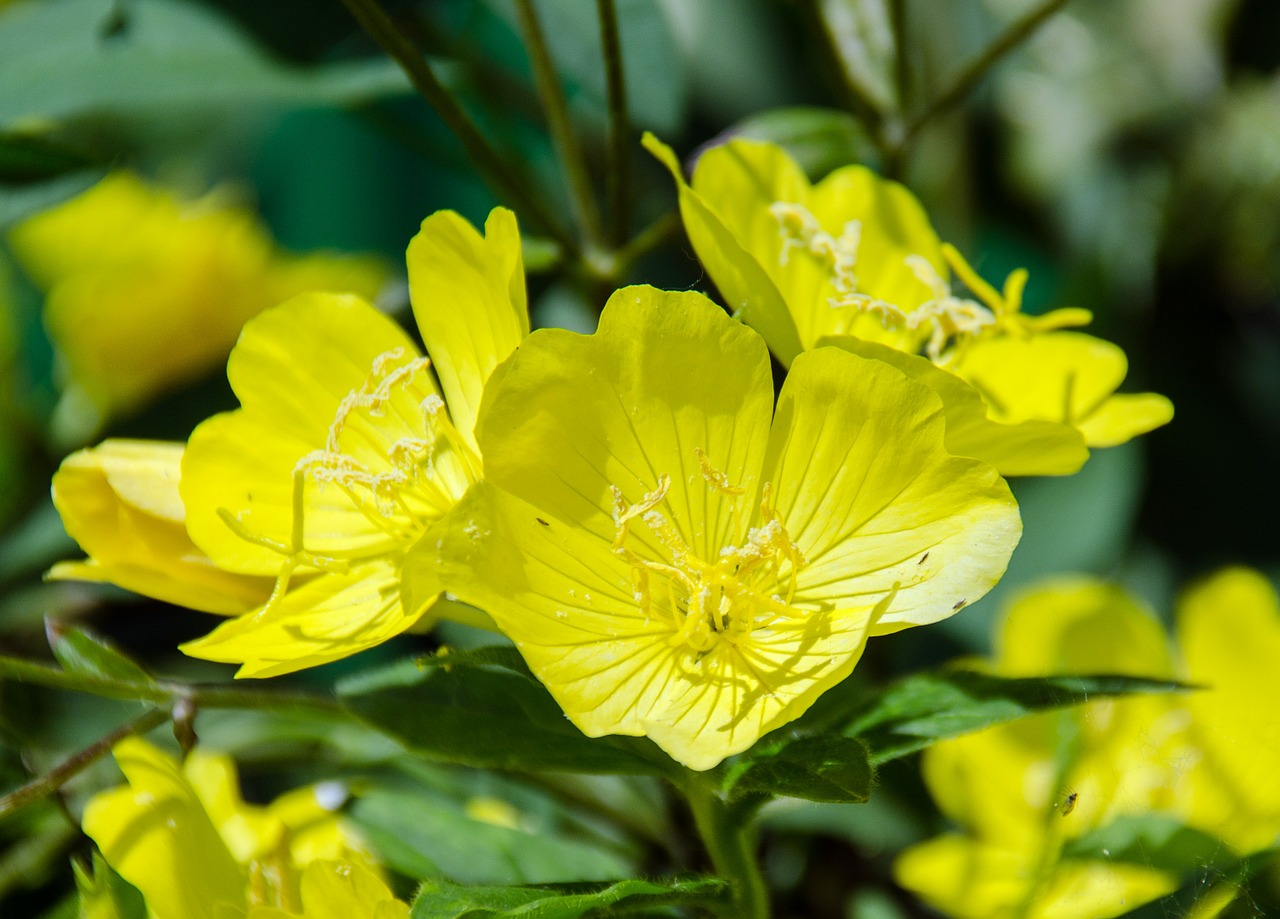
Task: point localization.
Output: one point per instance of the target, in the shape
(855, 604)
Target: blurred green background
(1128, 154)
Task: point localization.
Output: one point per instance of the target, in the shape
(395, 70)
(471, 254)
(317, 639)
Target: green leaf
(98, 57)
(863, 35)
(430, 835)
(29, 158)
(830, 769)
(921, 709)
(1210, 890)
(1152, 841)
(441, 900)
(820, 139)
(21, 201)
(483, 708)
(104, 894)
(82, 652)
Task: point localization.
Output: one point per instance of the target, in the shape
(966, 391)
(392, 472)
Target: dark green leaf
(28, 158)
(831, 769)
(82, 652)
(1153, 841)
(919, 710)
(98, 57)
(1205, 884)
(820, 139)
(483, 708)
(441, 900)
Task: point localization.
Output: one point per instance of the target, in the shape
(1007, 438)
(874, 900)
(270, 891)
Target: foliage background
(1128, 154)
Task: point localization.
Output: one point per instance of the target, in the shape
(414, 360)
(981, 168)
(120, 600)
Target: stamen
(715, 478)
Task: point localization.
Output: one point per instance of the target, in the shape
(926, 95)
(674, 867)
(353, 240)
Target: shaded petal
(469, 299)
(120, 502)
(742, 281)
(292, 368)
(157, 835)
(566, 600)
(329, 617)
(666, 375)
(866, 489)
(1030, 447)
(967, 879)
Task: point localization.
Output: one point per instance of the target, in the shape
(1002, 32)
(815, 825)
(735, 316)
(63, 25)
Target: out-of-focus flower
(853, 262)
(146, 291)
(1205, 758)
(181, 834)
(337, 890)
(343, 451)
(671, 562)
(120, 502)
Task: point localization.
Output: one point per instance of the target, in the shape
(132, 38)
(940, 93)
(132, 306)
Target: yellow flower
(146, 291)
(1021, 791)
(344, 451)
(181, 834)
(671, 563)
(120, 502)
(853, 262)
(336, 890)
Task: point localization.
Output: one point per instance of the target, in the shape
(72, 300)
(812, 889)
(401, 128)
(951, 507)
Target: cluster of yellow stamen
(708, 602)
(948, 321)
(391, 496)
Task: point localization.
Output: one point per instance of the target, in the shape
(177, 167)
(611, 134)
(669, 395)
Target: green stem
(732, 847)
(901, 63)
(971, 75)
(563, 136)
(45, 785)
(166, 693)
(618, 174)
(651, 237)
(374, 20)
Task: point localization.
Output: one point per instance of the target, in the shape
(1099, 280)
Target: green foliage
(1155, 841)
(831, 769)
(441, 900)
(81, 652)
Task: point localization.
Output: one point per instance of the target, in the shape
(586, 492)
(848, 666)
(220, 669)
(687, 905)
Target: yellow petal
(249, 832)
(1124, 416)
(1061, 376)
(966, 879)
(667, 375)
(292, 368)
(156, 834)
(120, 501)
(743, 282)
(469, 299)
(1031, 447)
(340, 890)
(1229, 632)
(328, 617)
(1100, 890)
(880, 510)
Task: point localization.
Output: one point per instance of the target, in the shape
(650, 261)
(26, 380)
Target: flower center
(715, 601)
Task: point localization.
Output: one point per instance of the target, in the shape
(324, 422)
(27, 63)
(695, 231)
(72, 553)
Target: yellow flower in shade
(344, 450)
(1020, 792)
(181, 834)
(671, 562)
(120, 502)
(146, 291)
(336, 890)
(853, 262)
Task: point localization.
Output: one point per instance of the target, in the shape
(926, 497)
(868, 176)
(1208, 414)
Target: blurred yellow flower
(853, 262)
(337, 890)
(146, 291)
(674, 558)
(120, 502)
(344, 451)
(181, 834)
(1207, 758)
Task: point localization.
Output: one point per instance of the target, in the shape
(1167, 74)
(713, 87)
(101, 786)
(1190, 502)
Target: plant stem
(375, 21)
(655, 234)
(45, 785)
(568, 148)
(732, 847)
(165, 693)
(971, 75)
(618, 167)
(902, 68)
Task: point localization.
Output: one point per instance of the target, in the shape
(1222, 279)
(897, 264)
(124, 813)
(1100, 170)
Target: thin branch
(565, 139)
(618, 167)
(971, 75)
(657, 233)
(44, 785)
(375, 21)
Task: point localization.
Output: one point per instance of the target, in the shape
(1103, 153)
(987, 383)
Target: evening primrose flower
(344, 450)
(120, 502)
(181, 834)
(673, 563)
(853, 262)
(1020, 792)
(336, 890)
(146, 291)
